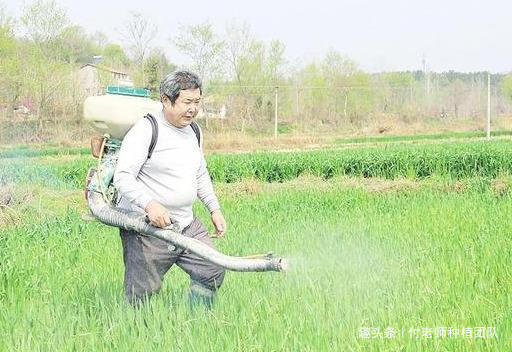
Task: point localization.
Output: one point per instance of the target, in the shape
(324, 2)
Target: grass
(406, 251)
(25, 151)
(455, 160)
(362, 259)
(420, 137)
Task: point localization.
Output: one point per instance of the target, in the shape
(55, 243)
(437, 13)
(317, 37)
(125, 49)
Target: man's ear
(165, 100)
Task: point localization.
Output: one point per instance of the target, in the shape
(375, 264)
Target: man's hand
(157, 214)
(219, 223)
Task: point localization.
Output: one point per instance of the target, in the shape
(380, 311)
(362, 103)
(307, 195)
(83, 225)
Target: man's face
(185, 108)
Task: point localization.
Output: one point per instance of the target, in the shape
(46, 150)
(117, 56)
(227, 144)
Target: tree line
(41, 50)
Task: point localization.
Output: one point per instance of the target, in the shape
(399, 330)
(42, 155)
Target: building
(211, 109)
(93, 79)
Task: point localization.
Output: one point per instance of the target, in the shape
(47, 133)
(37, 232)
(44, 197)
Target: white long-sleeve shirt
(175, 175)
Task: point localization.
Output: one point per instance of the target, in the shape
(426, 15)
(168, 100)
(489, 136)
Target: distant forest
(41, 51)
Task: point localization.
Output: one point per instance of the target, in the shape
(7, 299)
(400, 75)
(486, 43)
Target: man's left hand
(219, 222)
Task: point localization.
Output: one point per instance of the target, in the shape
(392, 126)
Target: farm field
(399, 237)
(230, 143)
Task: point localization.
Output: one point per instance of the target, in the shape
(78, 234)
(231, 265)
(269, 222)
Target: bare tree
(238, 38)
(237, 44)
(100, 39)
(457, 96)
(139, 32)
(200, 44)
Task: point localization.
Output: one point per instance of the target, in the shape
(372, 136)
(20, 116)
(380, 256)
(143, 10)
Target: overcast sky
(381, 35)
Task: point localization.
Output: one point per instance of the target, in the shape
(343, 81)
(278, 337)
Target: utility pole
(275, 114)
(488, 106)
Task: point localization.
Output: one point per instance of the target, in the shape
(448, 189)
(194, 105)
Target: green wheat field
(403, 247)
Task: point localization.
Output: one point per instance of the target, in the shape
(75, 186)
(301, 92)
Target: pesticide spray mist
(345, 266)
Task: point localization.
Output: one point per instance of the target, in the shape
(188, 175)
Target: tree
(11, 71)
(258, 69)
(47, 78)
(238, 38)
(76, 46)
(313, 97)
(46, 55)
(114, 55)
(139, 32)
(275, 61)
(99, 39)
(43, 23)
(457, 95)
(506, 86)
(155, 68)
(202, 46)
(337, 67)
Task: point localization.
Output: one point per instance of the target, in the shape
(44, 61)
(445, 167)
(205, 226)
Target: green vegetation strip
(27, 152)
(456, 160)
(453, 160)
(420, 137)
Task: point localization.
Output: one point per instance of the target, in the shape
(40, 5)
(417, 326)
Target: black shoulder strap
(154, 136)
(197, 131)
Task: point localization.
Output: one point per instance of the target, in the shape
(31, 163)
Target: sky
(380, 35)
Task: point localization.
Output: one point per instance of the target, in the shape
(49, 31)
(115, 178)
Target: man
(165, 186)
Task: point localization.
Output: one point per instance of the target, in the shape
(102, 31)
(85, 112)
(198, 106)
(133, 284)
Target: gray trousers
(147, 259)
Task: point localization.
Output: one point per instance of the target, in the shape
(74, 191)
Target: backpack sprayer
(113, 115)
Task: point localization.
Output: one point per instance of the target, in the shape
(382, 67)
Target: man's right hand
(157, 214)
